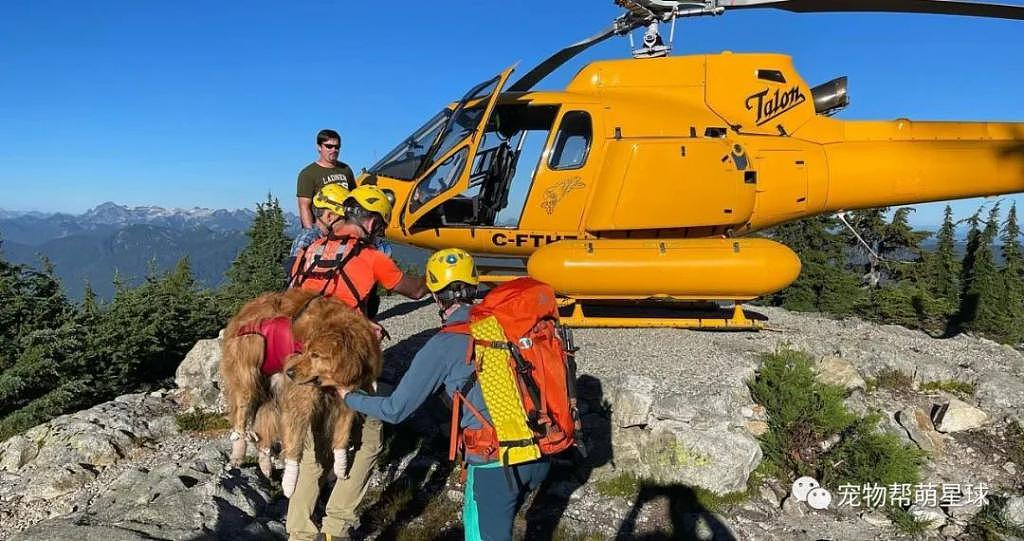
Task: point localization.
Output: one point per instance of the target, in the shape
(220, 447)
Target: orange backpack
(542, 360)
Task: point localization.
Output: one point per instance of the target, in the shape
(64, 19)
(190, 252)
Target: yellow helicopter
(639, 180)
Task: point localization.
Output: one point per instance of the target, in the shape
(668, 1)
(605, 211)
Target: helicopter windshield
(404, 161)
(438, 136)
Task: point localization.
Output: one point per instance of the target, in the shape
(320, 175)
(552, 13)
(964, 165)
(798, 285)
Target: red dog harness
(278, 342)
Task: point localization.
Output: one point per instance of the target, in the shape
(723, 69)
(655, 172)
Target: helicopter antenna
(645, 12)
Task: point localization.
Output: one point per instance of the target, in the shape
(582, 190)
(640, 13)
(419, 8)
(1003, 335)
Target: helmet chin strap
(371, 234)
(329, 225)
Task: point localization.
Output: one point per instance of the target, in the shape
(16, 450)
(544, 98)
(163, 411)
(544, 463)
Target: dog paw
(238, 452)
(290, 477)
(266, 462)
(253, 437)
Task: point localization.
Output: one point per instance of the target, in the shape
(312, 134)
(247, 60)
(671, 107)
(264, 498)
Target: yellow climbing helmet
(372, 199)
(331, 197)
(450, 265)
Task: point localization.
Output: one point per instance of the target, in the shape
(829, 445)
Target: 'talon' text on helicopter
(779, 103)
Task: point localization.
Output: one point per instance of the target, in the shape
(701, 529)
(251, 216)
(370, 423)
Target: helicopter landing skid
(676, 315)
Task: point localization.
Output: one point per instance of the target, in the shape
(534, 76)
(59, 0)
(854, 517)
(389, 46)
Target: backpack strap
(570, 349)
(456, 402)
(462, 328)
(334, 270)
(523, 370)
(360, 300)
(339, 270)
(304, 266)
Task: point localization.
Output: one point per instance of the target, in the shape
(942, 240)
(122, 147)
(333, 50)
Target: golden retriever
(339, 349)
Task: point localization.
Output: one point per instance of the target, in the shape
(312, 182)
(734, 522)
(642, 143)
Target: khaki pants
(346, 495)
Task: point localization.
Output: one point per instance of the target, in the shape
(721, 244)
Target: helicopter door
(449, 174)
(563, 180)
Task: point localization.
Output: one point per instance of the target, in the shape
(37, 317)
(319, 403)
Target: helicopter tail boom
(902, 162)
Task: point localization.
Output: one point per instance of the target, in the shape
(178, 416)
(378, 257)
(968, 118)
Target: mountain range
(115, 239)
(37, 228)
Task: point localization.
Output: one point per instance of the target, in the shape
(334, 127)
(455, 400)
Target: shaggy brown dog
(339, 344)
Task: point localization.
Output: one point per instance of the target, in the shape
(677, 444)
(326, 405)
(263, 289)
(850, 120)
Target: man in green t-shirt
(325, 170)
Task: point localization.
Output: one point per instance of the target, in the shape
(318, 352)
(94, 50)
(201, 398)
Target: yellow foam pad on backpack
(501, 394)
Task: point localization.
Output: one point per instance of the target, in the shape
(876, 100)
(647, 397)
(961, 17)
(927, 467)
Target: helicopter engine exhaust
(830, 97)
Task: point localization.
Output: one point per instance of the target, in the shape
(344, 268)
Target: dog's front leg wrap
(341, 463)
(238, 445)
(290, 477)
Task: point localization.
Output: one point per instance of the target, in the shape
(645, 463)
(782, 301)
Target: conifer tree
(63, 363)
(870, 224)
(823, 285)
(901, 242)
(900, 297)
(943, 267)
(29, 300)
(980, 305)
(1012, 273)
(259, 266)
(90, 307)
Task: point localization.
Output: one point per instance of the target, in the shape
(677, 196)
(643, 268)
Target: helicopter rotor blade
(554, 61)
(646, 11)
(941, 7)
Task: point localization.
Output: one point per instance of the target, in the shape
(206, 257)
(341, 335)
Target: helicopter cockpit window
(451, 126)
(572, 142)
(460, 127)
(444, 176)
(502, 170)
(405, 160)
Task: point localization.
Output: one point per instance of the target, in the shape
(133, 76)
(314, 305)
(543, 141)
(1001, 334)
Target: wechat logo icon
(807, 489)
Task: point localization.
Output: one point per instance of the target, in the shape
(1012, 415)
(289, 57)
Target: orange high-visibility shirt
(367, 269)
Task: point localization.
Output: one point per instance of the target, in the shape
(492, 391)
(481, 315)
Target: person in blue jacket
(493, 494)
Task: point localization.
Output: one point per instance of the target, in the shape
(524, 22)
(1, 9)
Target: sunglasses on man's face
(331, 147)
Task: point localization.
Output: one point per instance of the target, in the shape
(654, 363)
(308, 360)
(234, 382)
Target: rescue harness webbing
(332, 269)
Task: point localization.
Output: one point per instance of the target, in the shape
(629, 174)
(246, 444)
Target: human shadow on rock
(235, 523)
(687, 517)
(403, 308)
(572, 470)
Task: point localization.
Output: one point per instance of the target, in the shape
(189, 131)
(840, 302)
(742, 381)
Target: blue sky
(215, 104)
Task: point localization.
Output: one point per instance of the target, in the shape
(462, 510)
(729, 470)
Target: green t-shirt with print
(315, 176)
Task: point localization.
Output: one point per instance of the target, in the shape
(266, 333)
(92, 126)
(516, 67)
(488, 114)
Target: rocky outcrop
(835, 371)
(666, 440)
(122, 470)
(189, 498)
(65, 454)
(1013, 511)
(631, 399)
(670, 407)
(919, 427)
(957, 415)
(198, 376)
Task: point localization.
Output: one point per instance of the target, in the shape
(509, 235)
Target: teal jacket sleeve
(426, 373)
